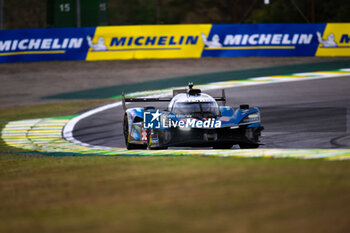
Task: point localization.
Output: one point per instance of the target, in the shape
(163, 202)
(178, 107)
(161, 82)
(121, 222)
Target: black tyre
(149, 138)
(252, 135)
(223, 146)
(248, 146)
(128, 145)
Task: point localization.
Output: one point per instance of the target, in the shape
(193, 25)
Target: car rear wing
(125, 100)
(175, 92)
(222, 98)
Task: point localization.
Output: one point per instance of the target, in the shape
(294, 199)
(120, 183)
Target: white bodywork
(185, 98)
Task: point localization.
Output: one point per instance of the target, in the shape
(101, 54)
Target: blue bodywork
(230, 118)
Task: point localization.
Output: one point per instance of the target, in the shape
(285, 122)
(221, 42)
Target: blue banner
(262, 40)
(44, 44)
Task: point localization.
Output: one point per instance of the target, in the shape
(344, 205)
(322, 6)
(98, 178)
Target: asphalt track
(305, 114)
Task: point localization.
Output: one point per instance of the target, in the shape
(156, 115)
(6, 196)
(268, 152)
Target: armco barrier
(175, 41)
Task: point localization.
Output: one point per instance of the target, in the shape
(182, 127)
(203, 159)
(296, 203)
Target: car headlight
(251, 118)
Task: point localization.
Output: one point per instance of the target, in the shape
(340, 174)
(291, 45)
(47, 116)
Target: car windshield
(196, 109)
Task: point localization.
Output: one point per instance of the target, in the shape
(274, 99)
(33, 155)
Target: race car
(192, 119)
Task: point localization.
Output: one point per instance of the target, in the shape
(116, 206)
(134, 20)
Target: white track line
(67, 131)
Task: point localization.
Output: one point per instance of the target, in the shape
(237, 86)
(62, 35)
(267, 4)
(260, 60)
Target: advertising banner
(27, 45)
(142, 42)
(174, 41)
(243, 40)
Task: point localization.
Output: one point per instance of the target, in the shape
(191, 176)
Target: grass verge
(165, 194)
(172, 194)
(42, 111)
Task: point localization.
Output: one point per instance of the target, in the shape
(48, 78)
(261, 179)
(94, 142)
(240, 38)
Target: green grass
(172, 194)
(41, 193)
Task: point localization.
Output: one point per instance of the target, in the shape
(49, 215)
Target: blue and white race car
(192, 119)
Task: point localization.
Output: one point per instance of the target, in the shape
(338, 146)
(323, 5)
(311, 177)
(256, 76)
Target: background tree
(32, 13)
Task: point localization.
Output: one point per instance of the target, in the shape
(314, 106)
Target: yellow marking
(33, 52)
(251, 47)
(343, 157)
(13, 134)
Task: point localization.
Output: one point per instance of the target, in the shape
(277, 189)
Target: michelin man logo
(329, 43)
(99, 46)
(215, 43)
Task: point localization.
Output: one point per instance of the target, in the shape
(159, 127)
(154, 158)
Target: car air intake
(194, 91)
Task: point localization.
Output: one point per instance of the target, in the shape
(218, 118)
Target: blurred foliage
(32, 13)
(285, 11)
(130, 12)
(24, 14)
